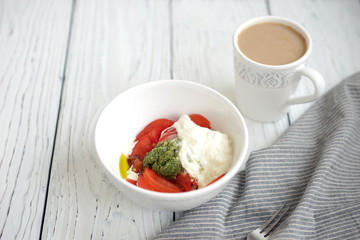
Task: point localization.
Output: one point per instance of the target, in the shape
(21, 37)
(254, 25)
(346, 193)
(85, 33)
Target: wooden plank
(203, 52)
(114, 45)
(33, 40)
(335, 30)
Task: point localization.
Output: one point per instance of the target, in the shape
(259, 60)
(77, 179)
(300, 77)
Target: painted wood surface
(33, 42)
(114, 45)
(63, 61)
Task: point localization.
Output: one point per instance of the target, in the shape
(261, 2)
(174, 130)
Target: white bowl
(128, 114)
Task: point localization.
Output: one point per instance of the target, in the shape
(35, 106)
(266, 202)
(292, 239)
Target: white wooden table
(62, 61)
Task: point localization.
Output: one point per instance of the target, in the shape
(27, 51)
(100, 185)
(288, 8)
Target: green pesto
(164, 159)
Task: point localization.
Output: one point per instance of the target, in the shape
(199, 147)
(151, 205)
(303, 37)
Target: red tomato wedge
(140, 149)
(216, 179)
(132, 181)
(153, 135)
(141, 183)
(200, 120)
(161, 124)
(157, 183)
(168, 134)
(137, 165)
(148, 138)
(183, 180)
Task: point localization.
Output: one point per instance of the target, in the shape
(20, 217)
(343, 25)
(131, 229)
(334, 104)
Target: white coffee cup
(265, 92)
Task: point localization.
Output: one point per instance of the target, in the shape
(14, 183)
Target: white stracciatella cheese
(205, 154)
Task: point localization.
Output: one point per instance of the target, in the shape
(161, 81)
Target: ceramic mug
(265, 92)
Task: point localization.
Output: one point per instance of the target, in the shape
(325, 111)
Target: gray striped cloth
(314, 166)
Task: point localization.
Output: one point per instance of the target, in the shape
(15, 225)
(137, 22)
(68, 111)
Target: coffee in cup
(270, 54)
(272, 43)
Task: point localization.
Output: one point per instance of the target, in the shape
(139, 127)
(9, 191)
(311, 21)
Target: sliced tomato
(140, 149)
(132, 181)
(183, 180)
(148, 138)
(200, 120)
(137, 165)
(161, 123)
(141, 183)
(157, 183)
(153, 135)
(168, 134)
(216, 179)
(145, 144)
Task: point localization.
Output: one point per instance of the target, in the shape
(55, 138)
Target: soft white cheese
(205, 154)
(131, 174)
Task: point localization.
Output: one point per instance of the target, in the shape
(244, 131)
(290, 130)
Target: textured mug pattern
(263, 79)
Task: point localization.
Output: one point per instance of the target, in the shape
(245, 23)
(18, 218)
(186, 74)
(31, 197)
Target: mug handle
(316, 79)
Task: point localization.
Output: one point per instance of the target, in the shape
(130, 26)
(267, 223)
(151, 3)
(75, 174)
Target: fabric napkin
(314, 166)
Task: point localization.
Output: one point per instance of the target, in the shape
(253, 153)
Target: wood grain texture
(33, 38)
(335, 29)
(114, 45)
